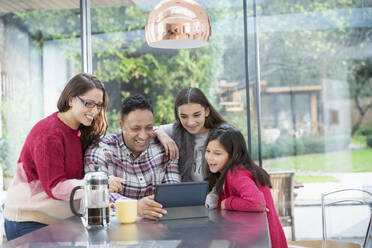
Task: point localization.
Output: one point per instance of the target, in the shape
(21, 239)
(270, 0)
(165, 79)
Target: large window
(40, 51)
(316, 78)
(311, 61)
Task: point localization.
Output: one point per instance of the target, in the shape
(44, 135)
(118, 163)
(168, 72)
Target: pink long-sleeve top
(49, 167)
(242, 194)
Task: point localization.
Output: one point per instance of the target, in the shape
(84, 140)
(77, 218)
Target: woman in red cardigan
(51, 161)
(239, 182)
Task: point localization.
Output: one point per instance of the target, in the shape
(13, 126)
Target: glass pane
(316, 66)
(124, 61)
(39, 52)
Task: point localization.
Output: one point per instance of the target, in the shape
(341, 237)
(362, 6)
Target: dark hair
(79, 85)
(134, 102)
(234, 144)
(195, 95)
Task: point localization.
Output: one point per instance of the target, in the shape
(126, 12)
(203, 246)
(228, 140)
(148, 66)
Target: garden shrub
(364, 130)
(313, 145)
(369, 141)
(291, 146)
(300, 146)
(267, 150)
(4, 151)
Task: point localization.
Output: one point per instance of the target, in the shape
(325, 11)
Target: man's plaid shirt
(142, 174)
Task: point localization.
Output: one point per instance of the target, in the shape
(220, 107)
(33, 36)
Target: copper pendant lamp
(176, 24)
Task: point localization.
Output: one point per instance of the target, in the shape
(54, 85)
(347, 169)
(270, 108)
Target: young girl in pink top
(240, 183)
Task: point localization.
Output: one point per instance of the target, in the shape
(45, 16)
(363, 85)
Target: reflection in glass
(178, 24)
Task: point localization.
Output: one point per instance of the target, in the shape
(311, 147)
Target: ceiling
(7, 6)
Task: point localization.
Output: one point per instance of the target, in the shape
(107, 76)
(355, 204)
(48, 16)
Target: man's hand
(115, 184)
(149, 208)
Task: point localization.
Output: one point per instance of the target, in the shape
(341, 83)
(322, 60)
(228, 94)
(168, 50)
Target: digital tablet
(181, 194)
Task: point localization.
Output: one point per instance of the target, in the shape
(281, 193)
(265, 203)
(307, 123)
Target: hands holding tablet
(147, 207)
(168, 196)
(150, 209)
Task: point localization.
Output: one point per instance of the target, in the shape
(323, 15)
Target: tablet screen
(181, 194)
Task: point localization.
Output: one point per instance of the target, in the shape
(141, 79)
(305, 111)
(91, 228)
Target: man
(135, 161)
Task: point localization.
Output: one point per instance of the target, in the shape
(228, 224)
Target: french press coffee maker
(96, 200)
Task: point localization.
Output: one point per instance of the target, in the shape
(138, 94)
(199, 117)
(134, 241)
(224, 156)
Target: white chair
(325, 242)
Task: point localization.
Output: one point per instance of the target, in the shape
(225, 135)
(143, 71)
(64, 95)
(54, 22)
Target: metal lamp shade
(176, 24)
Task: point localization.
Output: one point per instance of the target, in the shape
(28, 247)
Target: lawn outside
(305, 178)
(318, 167)
(358, 139)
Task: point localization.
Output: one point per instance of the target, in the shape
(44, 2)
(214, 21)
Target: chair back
(283, 196)
(282, 192)
(348, 197)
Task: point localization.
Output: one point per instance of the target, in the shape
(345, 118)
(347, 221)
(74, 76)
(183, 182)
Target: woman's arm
(49, 157)
(163, 134)
(172, 174)
(249, 197)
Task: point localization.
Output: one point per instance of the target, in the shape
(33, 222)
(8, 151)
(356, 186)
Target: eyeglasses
(90, 104)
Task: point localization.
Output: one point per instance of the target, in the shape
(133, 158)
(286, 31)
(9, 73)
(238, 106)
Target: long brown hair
(79, 85)
(234, 144)
(195, 95)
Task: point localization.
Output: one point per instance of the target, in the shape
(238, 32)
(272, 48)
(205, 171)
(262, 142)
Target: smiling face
(216, 156)
(80, 112)
(192, 117)
(137, 129)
